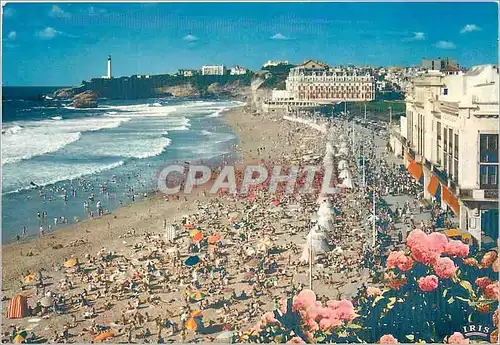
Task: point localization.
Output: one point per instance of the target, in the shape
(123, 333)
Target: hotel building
(318, 82)
(451, 144)
(213, 70)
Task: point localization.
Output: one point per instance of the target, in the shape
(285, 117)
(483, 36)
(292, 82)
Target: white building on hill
(213, 70)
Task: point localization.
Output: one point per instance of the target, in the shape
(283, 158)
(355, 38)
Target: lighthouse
(109, 67)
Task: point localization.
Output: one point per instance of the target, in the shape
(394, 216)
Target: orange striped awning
(451, 201)
(433, 185)
(18, 307)
(415, 170)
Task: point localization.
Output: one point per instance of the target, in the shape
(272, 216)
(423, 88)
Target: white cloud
(11, 36)
(47, 33)
(8, 12)
(58, 12)
(190, 38)
(418, 36)
(279, 36)
(445, 45)
(470, 28)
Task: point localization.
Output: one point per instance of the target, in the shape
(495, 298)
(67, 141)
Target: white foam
(36, 138)
(56, 118)
(204, 132)
(43, 174)
(12, 130)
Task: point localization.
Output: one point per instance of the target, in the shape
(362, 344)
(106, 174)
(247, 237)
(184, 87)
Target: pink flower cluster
(457, 338)
(428, 283)
(315, 316)
(426, 248)
(267, 318)
(491, 291)
(388, 339)
(400, 260)
(483, 282)
(488, 258)
(457, 248)
(444, 267)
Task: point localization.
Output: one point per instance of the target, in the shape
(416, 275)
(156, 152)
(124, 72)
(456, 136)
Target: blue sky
(64, 43)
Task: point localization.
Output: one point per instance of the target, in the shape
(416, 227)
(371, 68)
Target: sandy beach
(137, 230)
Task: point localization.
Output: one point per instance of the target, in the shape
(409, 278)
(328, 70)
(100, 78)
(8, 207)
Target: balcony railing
(491, 194)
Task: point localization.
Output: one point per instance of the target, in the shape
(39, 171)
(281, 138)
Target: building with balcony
(452, 144)
(316, 81)
(238, 70)
(213, 70)
(439, 64)
(188, 72)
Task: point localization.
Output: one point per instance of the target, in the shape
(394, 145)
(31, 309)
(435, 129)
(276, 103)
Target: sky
(61, 44)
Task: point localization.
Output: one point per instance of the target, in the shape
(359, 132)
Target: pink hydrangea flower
(394, 258)
(405, 263)
(444, 267)
(428, 283)
(457, 338)
(305, 299)
(388, 339)
(488, 258)
(269, 318)
(491, 291)
(457, 248)
(415, 237)
(437, 242)
(424, 254)
(483, 282)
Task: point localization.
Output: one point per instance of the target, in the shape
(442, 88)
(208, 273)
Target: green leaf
(463, 299)
(410, 337)
(451, 300)
(445, 292)
(378, 298)
(469, 318)
(353, 326)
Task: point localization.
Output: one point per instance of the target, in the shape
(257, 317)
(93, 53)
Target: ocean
(54, 157)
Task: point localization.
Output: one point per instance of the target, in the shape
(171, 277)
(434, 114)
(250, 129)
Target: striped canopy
(18, 307)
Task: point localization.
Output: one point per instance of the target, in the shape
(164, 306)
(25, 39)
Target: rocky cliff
(140, 87)
(87, 99)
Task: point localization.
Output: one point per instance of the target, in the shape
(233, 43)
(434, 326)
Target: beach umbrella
(18, 339)
(275, 203)
(197, 295)
(195, 232)
(198, 237)
(227, 292)
(214, 239)
(30, 278)
(188, 226)
(264, 244)
(191, 324)
(71, 262)
(103, 336)
(347, 182)
(343, 165)
(192, 260)
(46, 301)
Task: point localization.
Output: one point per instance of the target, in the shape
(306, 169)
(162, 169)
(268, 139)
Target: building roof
(314, 63)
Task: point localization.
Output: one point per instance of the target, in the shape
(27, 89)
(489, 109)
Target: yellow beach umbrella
(194, 232)
(71, 262)
(30, 278)
(18, 339)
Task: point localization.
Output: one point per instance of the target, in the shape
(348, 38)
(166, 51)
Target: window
(445, 149)
(445, 91)
(488, 161)
(438, 145)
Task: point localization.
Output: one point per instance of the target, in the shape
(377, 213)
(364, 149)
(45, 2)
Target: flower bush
(432, 289)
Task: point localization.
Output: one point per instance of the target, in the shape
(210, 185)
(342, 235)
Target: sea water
(55, 156)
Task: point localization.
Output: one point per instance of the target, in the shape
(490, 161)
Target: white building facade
(213, 70)
(318, 82)
(238, 70)
(452, 139)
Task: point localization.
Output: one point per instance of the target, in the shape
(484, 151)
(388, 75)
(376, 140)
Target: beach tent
(264, 244)
(198, 237)
(170, 233)
(330, 149)
(343, 165)
(192, 260)
(18, 307)
(347, 182)
(328, 159)
(346, 173)
(317, 241)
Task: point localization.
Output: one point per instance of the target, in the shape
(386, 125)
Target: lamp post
(374, 228)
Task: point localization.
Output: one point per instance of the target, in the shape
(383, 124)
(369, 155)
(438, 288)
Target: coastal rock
(184, 90)
(214, 87)
(87, 99)
(67, 93)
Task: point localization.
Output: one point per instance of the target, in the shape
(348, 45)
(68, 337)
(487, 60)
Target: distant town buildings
(451, 137)
(275, 63)
(213, 70)
(439, 64)
(188, 72)
(238, 70)
(313, 80)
